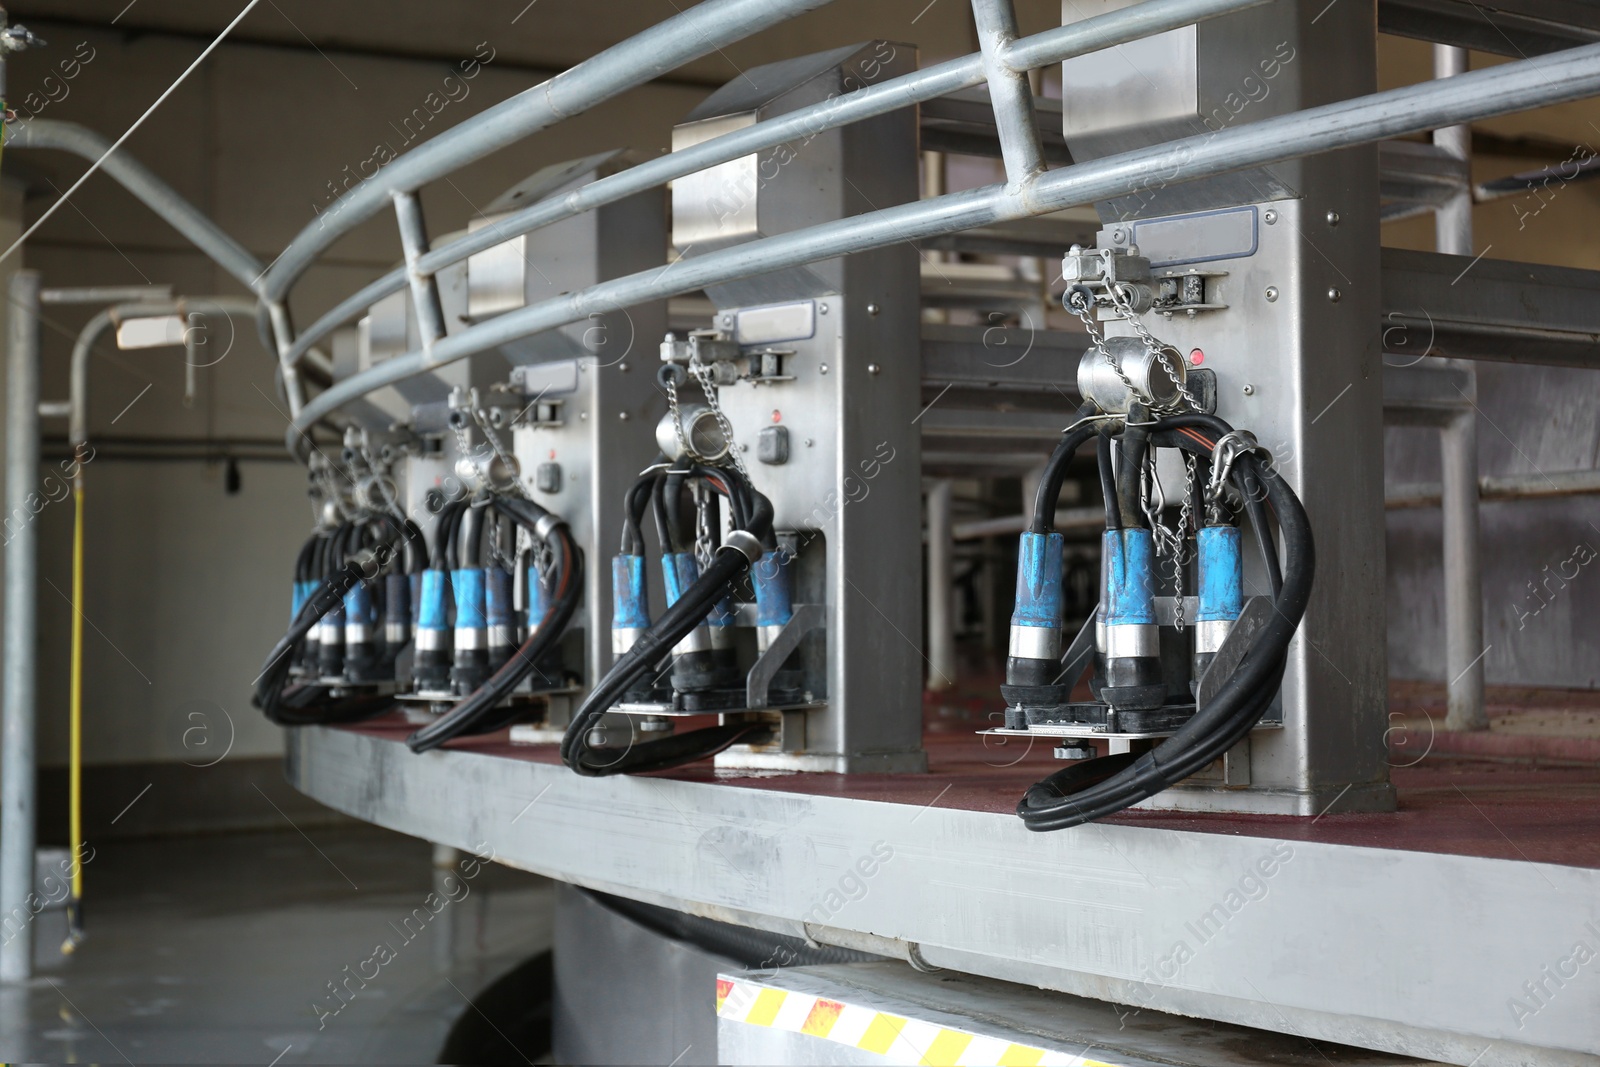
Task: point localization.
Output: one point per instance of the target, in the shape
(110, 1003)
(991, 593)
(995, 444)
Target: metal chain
(1185, 516)
(677, 416)
(1079, 305)
(1124, 306)
(702, 374)
(1178, 559)
(1151, 490)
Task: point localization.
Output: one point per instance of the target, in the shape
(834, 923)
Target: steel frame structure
(1029, 189)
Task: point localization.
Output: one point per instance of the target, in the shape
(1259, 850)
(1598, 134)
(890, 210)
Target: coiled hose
(752, 514)
(1096, 788)
(311, 704)
(479, 712)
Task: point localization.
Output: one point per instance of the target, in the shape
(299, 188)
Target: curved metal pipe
(1556, 78)
(154, 193)
(89, 336)
(699, 31)
(1078, 38)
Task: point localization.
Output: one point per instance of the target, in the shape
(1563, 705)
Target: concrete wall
(187, 586)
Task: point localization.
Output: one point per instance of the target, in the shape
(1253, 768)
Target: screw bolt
(1272, 293)
(873, 309)
(1249, 390)
(1333, 296)
(823, 369)
(1269, 217)
(1333, 218)
(873, 368)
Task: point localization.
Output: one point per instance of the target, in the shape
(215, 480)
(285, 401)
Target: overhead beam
(1490, 309)
(1519, 28)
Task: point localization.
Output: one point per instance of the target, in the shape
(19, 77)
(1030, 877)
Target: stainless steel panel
(797, 184)
(715, 207)
(1302, 372)
(782, 322)
(603, 372)
(1152, 80)
(1204, 78)
(852, 485)
(626, 994)
(497, 280)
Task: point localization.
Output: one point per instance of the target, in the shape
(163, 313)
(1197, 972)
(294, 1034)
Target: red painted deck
(1493, 799)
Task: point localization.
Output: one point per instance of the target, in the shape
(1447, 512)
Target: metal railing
(1053, 46)
(1003, 62)
(1556, 78)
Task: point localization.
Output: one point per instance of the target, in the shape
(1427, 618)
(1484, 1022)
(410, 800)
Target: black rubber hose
(480, 711)
(1055, 472)
(443, 535)
(666, 533)
(1101, 787)
(471, 539)
(1255, 506)
(1133, 447)
(633, 505)
(450, 536)
(302, 563)
(309, 704)
(671, 497)
(1108, 480)
(727, 566)
(415, 549)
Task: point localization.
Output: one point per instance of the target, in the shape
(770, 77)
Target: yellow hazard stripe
(896, 1038)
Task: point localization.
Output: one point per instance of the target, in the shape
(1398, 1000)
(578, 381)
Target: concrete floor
(227, 948)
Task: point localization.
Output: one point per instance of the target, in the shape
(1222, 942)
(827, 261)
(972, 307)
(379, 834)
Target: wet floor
(336, 945)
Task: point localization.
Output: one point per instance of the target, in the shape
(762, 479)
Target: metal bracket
(806, 617)
(1078, 654)
(1252, 620)
(701, 346)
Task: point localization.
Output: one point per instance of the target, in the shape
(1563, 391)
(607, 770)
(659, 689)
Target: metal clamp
(1228, 449)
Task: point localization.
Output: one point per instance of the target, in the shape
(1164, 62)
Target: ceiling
(543, 34)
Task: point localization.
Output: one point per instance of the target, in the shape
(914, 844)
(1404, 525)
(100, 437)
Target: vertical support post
(1010, 92)
(1458, 448)
(1453, 223)
(941, 621)
(446, 932)
(283, 338)
(1463, 574)
(17, 717)
(424, 289)
(1304, 360)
